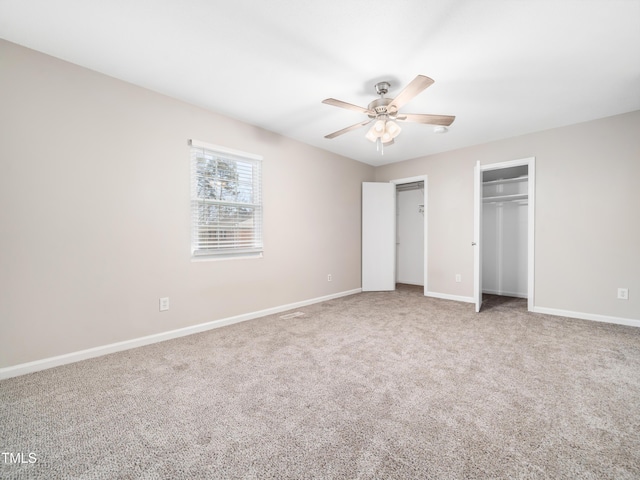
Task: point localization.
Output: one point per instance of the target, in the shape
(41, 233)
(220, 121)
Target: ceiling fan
(383, 112)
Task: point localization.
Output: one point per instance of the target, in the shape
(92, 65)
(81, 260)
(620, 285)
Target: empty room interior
(337, 239)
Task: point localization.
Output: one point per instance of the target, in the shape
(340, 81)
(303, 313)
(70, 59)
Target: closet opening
(504, 231)
(410, 220)
(394, 234)
(504, 256)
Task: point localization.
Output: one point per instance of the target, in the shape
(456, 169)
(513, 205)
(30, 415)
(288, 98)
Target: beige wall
(94, 208)
(587, 222)
(94, 196)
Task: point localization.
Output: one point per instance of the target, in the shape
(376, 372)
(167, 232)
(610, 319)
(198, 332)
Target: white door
(477, 236)
(378, 237)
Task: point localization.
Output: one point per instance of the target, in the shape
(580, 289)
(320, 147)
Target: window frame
(247, 165)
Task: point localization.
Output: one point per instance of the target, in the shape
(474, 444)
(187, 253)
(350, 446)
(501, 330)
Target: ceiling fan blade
(444, 120)
(416, 86)
(348, 129)
(348, 106)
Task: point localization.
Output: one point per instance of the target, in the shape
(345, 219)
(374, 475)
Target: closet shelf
(505, 198)
(502, 181)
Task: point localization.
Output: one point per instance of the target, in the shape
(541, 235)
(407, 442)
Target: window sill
(218, 258)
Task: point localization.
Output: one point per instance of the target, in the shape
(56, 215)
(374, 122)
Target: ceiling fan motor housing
(379, 106)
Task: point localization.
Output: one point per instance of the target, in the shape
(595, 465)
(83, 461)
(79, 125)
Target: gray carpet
(374, 385)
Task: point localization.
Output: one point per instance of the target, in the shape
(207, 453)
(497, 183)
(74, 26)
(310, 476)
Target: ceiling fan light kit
(383, 112)
(383, 132)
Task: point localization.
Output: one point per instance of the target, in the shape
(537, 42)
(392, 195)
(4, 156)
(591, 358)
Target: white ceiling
(503, 67)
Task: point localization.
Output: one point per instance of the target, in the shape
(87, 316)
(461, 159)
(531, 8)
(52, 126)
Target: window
(226, 202)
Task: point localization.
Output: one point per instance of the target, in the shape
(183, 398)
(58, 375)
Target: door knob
(473, 244)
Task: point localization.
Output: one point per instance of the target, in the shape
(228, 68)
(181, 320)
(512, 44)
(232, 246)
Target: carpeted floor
(374, 385)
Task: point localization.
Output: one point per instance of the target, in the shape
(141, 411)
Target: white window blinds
(226, 202)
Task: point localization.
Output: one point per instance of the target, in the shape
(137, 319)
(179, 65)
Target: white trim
(588, 316)
(418, 178)
(446, 296)
(531, 254)
(217, 258)
(220, 149)
(508, 164)
(421, 178)
(73, 357)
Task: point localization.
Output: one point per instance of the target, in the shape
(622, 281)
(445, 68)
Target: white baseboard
(446, 296)
(588, 316)
(73, 357)
(551, 311)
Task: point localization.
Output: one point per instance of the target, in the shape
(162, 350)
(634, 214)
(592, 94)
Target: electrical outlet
(164, 304)
(623, 294)
(458, 278)
(329, 278)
